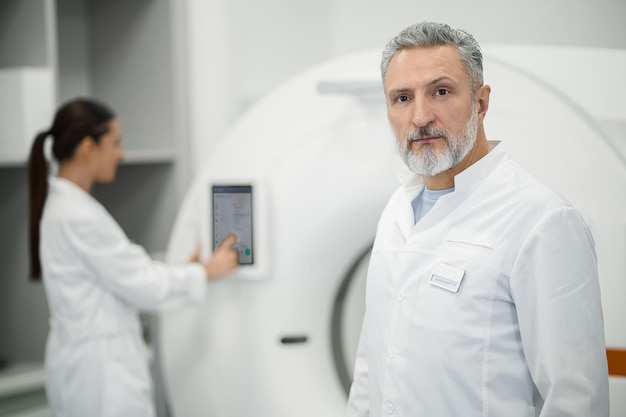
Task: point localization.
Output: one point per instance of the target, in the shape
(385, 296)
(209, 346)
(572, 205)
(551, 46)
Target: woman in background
(95, 279)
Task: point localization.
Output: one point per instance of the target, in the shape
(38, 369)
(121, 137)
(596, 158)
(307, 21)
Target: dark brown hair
(73, 121)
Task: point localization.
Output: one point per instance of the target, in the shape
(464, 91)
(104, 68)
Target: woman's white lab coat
(95, 281)
(489, 306)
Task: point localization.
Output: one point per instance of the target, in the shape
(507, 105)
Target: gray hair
(429, 34)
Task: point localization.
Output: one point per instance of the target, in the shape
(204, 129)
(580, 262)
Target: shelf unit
(22, 390)
(127, 53)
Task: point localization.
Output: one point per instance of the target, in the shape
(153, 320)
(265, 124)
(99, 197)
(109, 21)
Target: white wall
(241, 49)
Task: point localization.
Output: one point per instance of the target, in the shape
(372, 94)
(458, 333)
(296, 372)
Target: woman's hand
(223, 261)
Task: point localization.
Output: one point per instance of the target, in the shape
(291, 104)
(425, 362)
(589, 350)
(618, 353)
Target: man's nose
(423, 113)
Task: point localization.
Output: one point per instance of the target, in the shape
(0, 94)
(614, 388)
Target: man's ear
(482, 96)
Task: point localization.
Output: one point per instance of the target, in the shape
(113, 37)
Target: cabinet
(26, 75)
(127, 53)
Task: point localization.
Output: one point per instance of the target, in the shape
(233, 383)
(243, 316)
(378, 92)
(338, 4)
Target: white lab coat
(522, 337)
(96, 280)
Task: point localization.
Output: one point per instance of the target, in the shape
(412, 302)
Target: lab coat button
(389, 408)
(400, 297)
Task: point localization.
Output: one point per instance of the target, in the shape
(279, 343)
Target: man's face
(431, 108)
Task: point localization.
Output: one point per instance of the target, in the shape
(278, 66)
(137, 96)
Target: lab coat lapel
(412, 185)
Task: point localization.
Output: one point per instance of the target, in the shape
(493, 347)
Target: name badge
(447, 277)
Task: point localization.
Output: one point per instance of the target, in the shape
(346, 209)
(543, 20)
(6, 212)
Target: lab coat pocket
(472, 254)
(470, 241)
(464, 255)
(459, 281)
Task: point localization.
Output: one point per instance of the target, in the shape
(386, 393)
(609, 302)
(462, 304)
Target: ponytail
(38, 190)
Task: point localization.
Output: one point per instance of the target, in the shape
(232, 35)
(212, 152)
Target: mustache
(424, 132)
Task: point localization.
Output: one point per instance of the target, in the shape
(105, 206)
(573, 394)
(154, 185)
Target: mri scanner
(277, 338)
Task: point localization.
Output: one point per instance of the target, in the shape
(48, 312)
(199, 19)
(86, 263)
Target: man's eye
(441, 92)
(402, 99)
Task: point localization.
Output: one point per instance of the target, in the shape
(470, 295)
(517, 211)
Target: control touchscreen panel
(232, 214)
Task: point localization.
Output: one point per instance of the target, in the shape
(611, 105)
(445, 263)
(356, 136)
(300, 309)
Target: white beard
(429, 162)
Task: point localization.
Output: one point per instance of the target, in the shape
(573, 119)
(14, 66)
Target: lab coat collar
(468, 179)
(409, 180)
(464, 184)
(64, 186)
